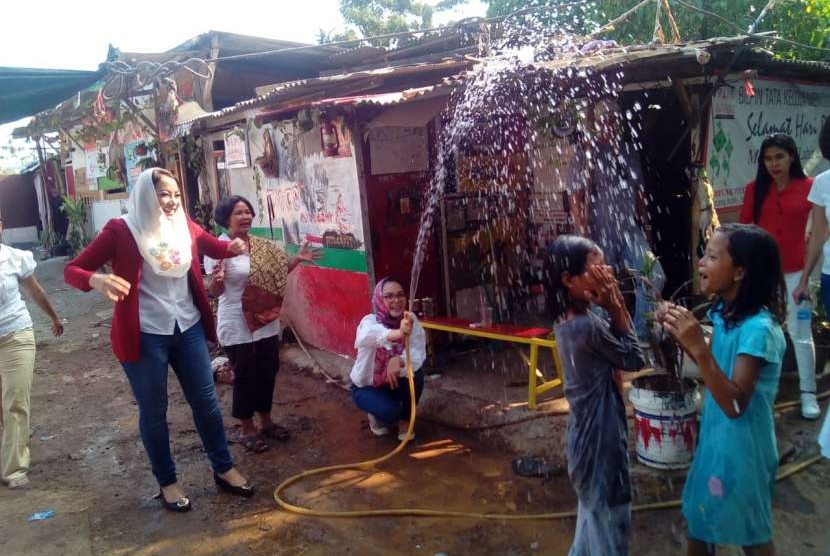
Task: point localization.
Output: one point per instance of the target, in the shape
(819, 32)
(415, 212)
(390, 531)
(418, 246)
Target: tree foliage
(370, 18)
(804, 21)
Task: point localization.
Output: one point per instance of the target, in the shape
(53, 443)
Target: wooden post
(358, 142)
(683, 97)
(696, 137)
(48, 226)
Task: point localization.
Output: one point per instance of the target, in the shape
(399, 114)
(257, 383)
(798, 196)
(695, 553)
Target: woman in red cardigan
(777, 202)
(162, 318)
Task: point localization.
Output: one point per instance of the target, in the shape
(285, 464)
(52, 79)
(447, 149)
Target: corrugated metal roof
(268, 91)
(426, 41)
(358, 54)
(231, 44)
(304, 91)
(605, 58)
(305, 87)
(799, 64)
(379, 99)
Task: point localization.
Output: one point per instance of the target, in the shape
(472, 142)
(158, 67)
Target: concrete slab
(483, 391)
(480, 391)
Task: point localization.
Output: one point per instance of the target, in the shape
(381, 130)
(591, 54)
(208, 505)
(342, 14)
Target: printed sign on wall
(236, 149)
(136, 154)
(398, 150)
(96, 163)
(740, 122)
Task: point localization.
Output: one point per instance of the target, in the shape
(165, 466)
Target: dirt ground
(90, 468)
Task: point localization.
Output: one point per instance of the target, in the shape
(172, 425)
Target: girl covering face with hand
(592, 350)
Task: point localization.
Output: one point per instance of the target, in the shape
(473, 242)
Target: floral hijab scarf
(164, 242)
(382, 354)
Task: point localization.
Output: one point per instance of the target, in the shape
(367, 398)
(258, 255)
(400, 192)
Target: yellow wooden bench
(534, 337)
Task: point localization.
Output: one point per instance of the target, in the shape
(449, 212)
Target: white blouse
(15, 265)
(371, 336)
(164, 302)
(820, 195)
(231, 326)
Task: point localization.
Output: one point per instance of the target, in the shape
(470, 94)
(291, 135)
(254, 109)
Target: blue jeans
(389, 406)
(825, 293)
(187, 353)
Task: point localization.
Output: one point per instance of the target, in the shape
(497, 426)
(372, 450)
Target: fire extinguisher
(328, 138)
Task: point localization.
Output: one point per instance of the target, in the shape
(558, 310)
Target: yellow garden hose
(783, 473)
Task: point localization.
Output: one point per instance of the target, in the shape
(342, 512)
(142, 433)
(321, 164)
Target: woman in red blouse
(777, 201)
(162, 319)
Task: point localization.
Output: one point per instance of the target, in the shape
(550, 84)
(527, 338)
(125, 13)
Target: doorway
(665, 157)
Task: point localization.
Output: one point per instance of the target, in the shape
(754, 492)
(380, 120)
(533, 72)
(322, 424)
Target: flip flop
(253, 443)
(535, 466)
(275, 431)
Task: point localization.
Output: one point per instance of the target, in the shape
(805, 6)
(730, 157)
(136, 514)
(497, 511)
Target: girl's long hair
(763, 286)
(763, 179)
(567, 253)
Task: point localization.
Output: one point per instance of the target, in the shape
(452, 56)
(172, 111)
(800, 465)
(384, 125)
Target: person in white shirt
(379, 383)
(17, 358)
(819, 241)
(250, 289)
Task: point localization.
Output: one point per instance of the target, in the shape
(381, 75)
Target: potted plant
(48, 239)
(75, 212)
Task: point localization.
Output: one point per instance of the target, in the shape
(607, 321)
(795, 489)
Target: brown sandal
(275, 431)
(253, 443)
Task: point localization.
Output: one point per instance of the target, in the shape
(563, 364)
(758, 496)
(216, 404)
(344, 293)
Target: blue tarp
(27, 91)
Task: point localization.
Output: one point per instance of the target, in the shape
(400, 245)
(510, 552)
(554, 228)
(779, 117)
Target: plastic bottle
(804, 315)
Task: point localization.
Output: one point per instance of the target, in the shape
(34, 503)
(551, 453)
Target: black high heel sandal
(179, 506)
(245, 491)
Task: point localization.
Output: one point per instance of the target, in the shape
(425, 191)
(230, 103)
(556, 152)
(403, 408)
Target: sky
(75, 35)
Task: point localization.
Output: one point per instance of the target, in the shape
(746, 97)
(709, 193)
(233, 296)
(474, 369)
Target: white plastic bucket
(665, 420)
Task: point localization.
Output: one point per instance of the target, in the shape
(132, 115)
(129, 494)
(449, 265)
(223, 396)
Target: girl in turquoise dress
(728, 494)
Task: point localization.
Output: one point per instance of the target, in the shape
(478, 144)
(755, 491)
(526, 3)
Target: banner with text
(741, 122)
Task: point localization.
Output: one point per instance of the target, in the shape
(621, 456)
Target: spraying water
(527, 102)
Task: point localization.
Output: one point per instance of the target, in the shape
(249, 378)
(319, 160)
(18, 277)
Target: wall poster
(741, 121)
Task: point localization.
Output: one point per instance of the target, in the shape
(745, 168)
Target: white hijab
(164, 242)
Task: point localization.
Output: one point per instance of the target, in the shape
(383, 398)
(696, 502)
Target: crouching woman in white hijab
(162, 317)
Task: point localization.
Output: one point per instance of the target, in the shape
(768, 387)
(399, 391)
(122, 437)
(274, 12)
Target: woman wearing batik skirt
(250, 289)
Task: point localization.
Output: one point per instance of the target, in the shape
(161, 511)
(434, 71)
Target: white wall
(103, 211)
(13, 236)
